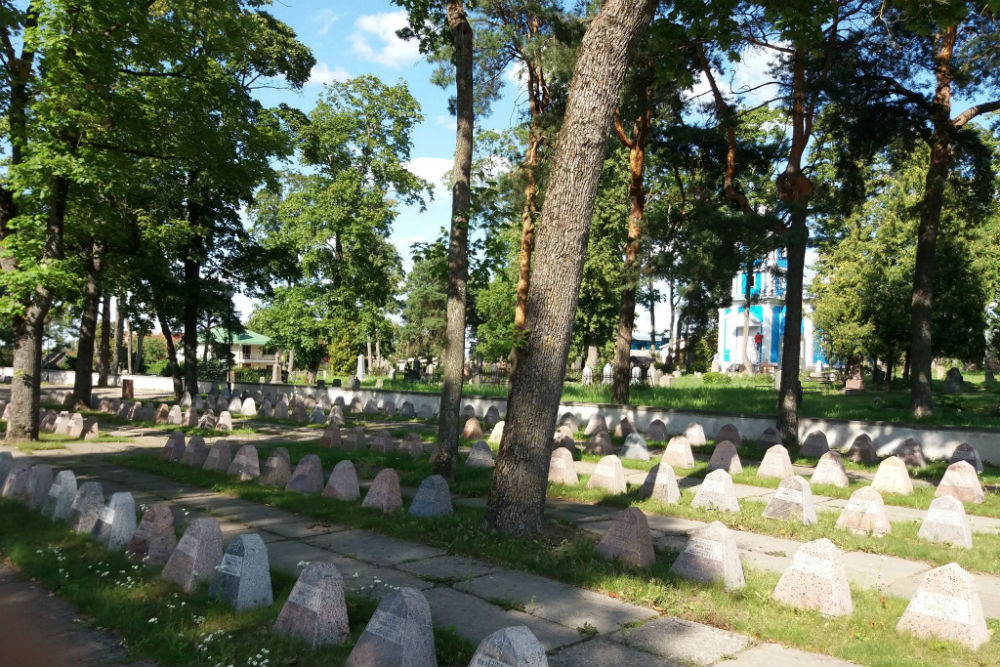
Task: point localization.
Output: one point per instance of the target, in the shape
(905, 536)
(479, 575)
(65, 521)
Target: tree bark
(128, 349)
(83, 382)
(104, 358)
(748, 270)
(788, 391)
(192, 294)
(172, 365)
(445, 459)
(116, 364)
(637, 203)
(517, 495)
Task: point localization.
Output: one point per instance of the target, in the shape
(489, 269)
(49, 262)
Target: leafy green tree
(426, 298)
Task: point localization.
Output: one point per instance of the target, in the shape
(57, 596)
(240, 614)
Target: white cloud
(446, 120)
(388, 49)
(517, 76)
(325, 18)
(321, 75)
(752, 72)
(431, 169)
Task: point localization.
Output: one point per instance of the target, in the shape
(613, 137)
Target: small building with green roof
(249, 349)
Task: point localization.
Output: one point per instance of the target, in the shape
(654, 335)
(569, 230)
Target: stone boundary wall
(938, 442)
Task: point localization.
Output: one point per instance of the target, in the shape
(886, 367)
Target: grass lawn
(567, 554)
(159, 622)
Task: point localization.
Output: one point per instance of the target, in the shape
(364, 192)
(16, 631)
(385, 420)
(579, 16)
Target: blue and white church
(767, 318)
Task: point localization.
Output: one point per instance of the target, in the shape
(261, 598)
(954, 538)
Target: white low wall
(938, 442)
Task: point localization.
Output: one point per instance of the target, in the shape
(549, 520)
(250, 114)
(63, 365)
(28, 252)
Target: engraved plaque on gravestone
(510, 647)
(792, 500)
(717, 492)
(628, 539)
(315, 611)
(711, 555)
(816, 579)
(196, 555)
(961, 481)
(660, 484)
(243, 579)
(865, 513)
(946, 522)
(399, 633)
(947, 606)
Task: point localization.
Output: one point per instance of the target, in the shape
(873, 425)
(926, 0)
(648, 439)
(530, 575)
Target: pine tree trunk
(921, 354)
(84, 382)
(517, 495)
(25, 390)
(192, 289)
(116, 365)
(140, 363)
(445, 458)
(104, 358)
(788, 392)
(172, 365)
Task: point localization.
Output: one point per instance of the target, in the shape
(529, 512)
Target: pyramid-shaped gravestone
(343, 482)
(195, 454)
(243, 578)
(481, 456)
(661, 484)
(731, 433)
(496, 434)
(776, 463)
(815, 445)
(61, 495)
(678, 453)
(246, 464)
(277, 469)
(628, 539)
(174, 449)
(961, 481)
(716, 492)
(608, 475)
(711, 555)
(196, 554)
(307, 476)
(946, 522)
(792, 500)
(219, 457)
(599, 444)
(769, 437)
(635, 448)
(695, 434)
(865, 514)
(911, 453)
(116, 522)
(516, 646)
(624, 427)
(399, 633)
(595, 424)
(725, 457)
(86, 507)
(830, 470)
(816, 579)
(433, 498)
(656, 431)
(862, 450)
(969, 454)
(315, 612)
(154, 540)
(892, 477)
(472, 430)
(330, 437)
(947, 606)
(384, 493)
(561, 468)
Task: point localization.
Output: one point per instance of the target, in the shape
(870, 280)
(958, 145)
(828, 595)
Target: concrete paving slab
(286, 556)
(372, 580)
(882, 572)
(682, 641)
(600, 652)
(555, 601)
(672, 525)
(448, 568)
(769, 655)
(372, 547)
(474, 619)
(230, 529)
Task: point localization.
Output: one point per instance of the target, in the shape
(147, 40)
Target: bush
(716, 378)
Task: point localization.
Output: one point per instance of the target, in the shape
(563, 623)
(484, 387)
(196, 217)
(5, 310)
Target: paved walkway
(462, 592)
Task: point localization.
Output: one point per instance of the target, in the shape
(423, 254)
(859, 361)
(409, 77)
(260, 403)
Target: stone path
(475, 597)
(39, 629)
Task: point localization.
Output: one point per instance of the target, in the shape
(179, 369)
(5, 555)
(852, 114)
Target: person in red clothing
(758, 342)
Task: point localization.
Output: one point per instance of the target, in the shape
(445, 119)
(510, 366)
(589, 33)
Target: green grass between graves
(566, 554)
(159, 622)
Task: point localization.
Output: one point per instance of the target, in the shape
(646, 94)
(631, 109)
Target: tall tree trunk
(445, 459)
(529, 211)
(172, 365)
(140, 363)
(119, 333)
(104, 357)
(128, 348)
(192, 289)
(637, 203)
(652, 320)
(517, 495)
(84, 382)
(788, 390)
(748, 270)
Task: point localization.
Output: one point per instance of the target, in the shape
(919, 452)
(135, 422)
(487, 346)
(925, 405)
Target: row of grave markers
(400, 632)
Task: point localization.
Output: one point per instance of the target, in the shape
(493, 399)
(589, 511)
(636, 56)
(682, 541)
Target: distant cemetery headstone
(433, 498)
(315, 611)
(516, 646)
(792, 501)
(587, 376)
(711, 555)
(60, 496)
(624, 427)
(717, 492)
(969, 454)
(384, 493)
(196, 555)
(472, 430)
(769, 437)
(154, 540)
(496, 434)
(398, 633)
(219, 457)
(174, 448)
(246, 464)
(815, 445)
(678, 452)
(656, 431)
(243, 578)
(961, 481)
(481, 456)
(865, 514)
(330, 437)
(862, 450)
(600, 444)
(307, 476)
(225, 421)
(635, 448)
(776, 463)
(830, 470)
(343, 482)
(730, 433)
(954, 383)
(816, 579)
(595, 424)
(277, 469)
(36, 491)
(607, 374)
(946, 523)
(116, 522)
(561, 469)
(947, 606)
(892, 477)
(492, 416)
(725, 457)
(196, 453)
(628, 539)
(86, 507)
(695, 434)
(608, 475)
(661, 484)
(912, 454)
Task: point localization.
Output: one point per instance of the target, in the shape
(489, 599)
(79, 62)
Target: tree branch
(972, 112)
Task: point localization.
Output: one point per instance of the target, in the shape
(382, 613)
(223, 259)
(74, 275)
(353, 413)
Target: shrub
(712, 377)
